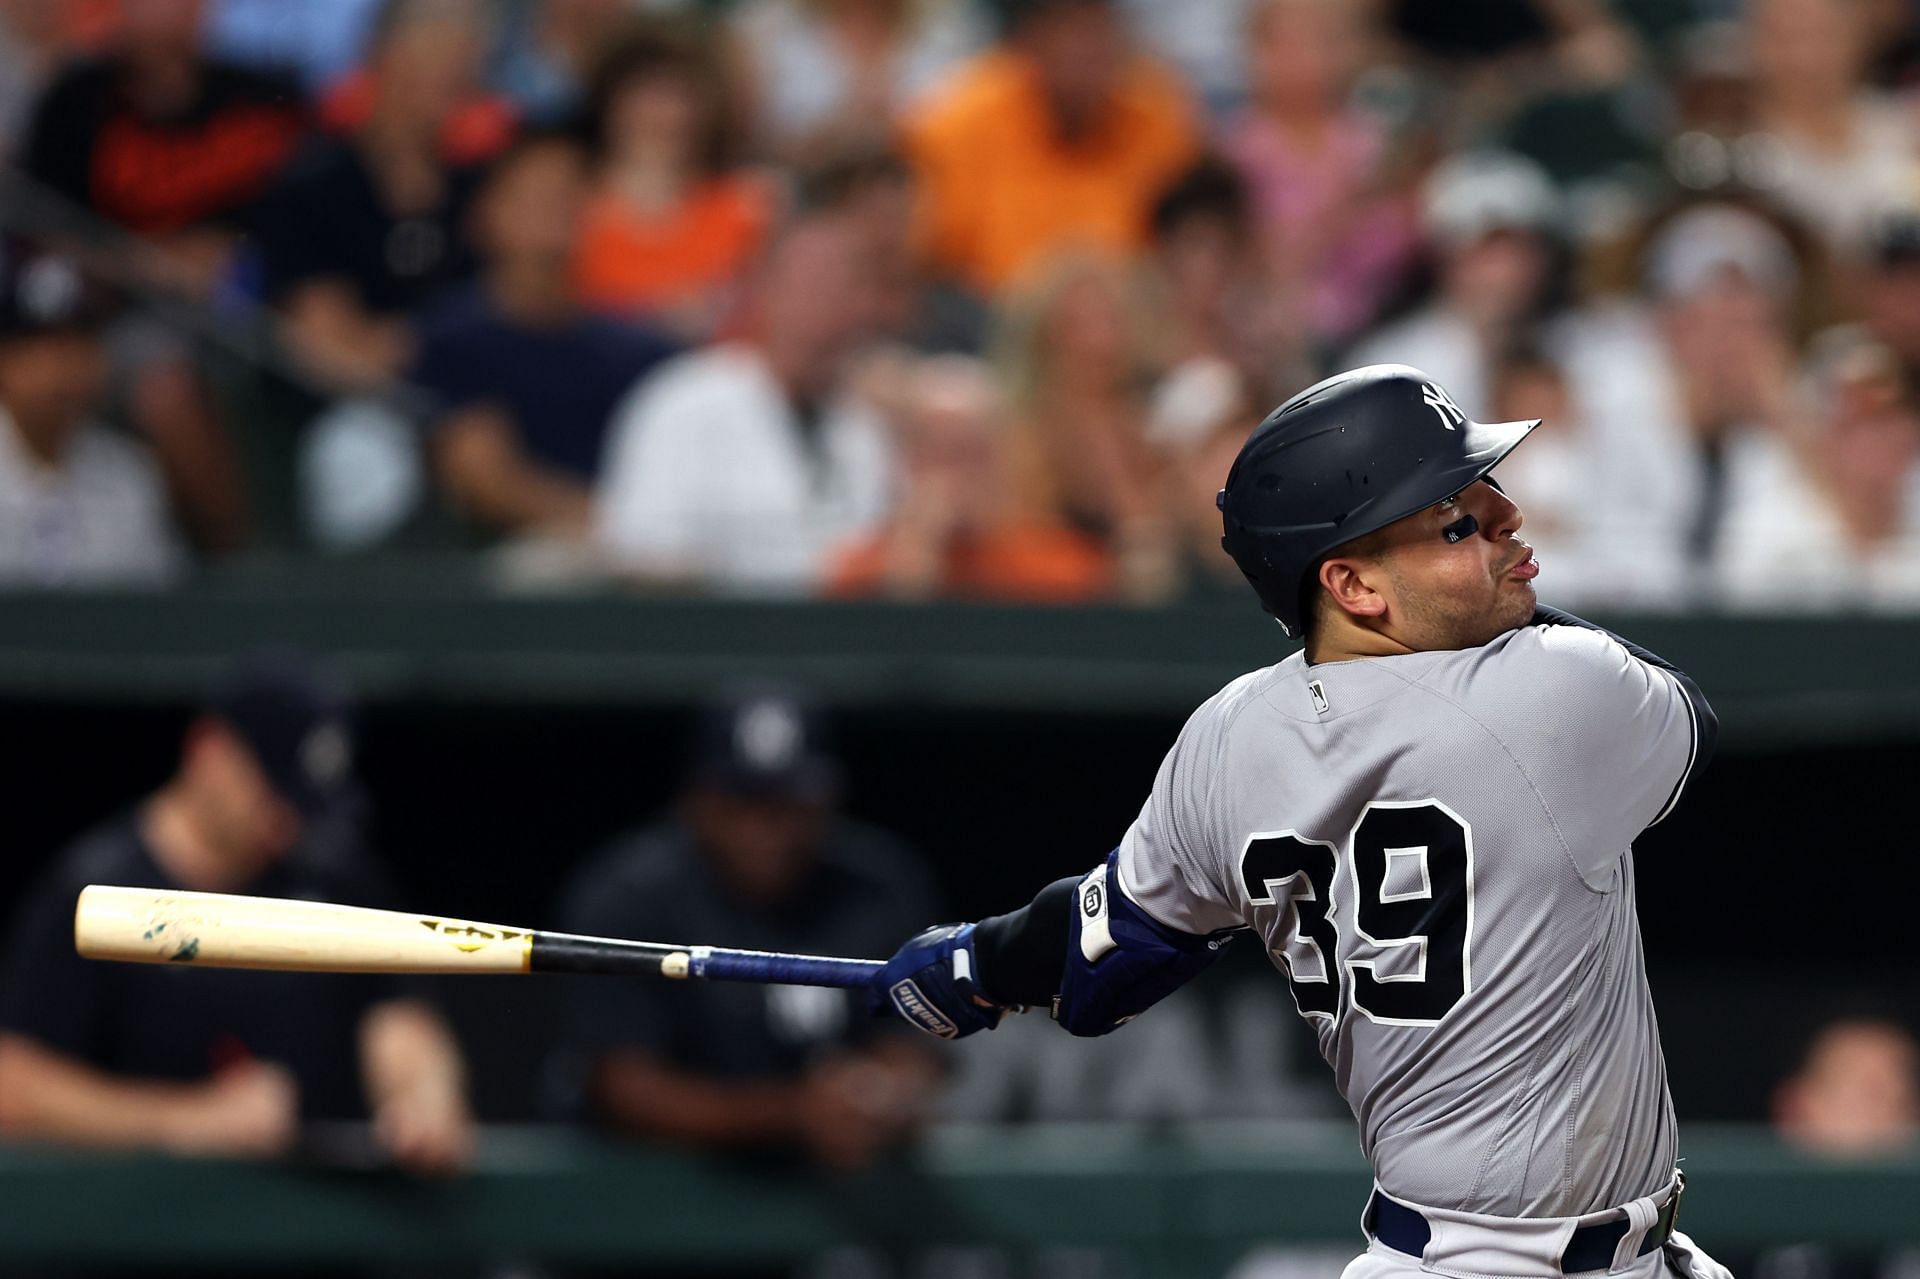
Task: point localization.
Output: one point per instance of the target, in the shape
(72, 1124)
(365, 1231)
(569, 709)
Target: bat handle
(716, 964)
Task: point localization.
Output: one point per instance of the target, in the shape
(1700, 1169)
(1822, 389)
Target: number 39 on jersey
(1394, 941)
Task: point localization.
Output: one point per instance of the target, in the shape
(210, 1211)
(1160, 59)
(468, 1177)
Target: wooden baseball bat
(222, 930)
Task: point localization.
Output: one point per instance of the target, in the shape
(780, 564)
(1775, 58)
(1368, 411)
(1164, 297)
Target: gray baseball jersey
(1436, 849)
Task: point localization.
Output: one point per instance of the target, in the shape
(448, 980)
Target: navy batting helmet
(1341, 459)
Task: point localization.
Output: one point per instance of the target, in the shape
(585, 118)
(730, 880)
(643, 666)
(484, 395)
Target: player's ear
(1350, 583)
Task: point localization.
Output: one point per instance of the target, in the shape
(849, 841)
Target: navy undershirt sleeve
(1023, 953)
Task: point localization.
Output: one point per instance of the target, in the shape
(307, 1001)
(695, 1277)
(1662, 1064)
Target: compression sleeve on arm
(1023, 952)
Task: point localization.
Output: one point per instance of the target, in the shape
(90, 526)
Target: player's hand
(427, 1130)
(932, 983)
(249, 1110)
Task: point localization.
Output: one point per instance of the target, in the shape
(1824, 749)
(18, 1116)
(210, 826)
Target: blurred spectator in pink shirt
(1316, 167)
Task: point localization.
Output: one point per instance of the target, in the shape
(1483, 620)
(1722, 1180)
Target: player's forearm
(48, 1096)
(645, 1098)
(1022, 952)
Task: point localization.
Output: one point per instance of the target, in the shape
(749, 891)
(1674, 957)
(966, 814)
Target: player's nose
(1503, 516)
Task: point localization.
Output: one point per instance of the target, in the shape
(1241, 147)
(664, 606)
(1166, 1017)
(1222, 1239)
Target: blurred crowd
(949, 298)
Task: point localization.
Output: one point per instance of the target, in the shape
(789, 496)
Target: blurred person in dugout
(157, 137)
(81, 505)
(1854, 1096)
(1060, 134)
(741, 466)
(675, 223)
(955, 532)
(525, 378)
(226, 1062)
(368, 220)
(755, 854)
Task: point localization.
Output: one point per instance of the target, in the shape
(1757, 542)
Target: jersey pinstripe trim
(1693, 753)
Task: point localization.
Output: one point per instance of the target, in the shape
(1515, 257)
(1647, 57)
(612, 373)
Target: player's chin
(1518, 600)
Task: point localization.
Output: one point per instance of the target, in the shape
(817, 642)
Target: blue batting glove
(930, 982)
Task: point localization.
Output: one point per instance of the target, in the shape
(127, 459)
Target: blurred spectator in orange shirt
(955, 531)
(675, 226)
(1332, 229)
(1059, 135)
(1078, 349)
(163, 140)
(1856, 1093)
(175, 146)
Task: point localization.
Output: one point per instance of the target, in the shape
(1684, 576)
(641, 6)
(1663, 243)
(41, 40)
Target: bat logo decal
(467, 938)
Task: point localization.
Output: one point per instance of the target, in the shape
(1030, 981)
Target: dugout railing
(1174, 1202)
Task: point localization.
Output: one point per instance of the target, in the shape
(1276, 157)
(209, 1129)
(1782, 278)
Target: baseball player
(1426, 817)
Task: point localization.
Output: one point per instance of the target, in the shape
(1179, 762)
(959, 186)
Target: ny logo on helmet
(1442, 403)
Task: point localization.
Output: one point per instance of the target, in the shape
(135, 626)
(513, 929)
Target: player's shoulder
(1577, 654)
(1227, 709)
(1580, 675)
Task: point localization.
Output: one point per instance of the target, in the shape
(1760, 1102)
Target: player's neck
(1340, 640)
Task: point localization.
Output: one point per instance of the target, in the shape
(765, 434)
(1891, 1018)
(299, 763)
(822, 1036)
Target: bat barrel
(218, 930)
(221, 930)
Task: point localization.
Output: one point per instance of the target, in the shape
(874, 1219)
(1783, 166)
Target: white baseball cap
(1474, 193)
(1706, 241)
